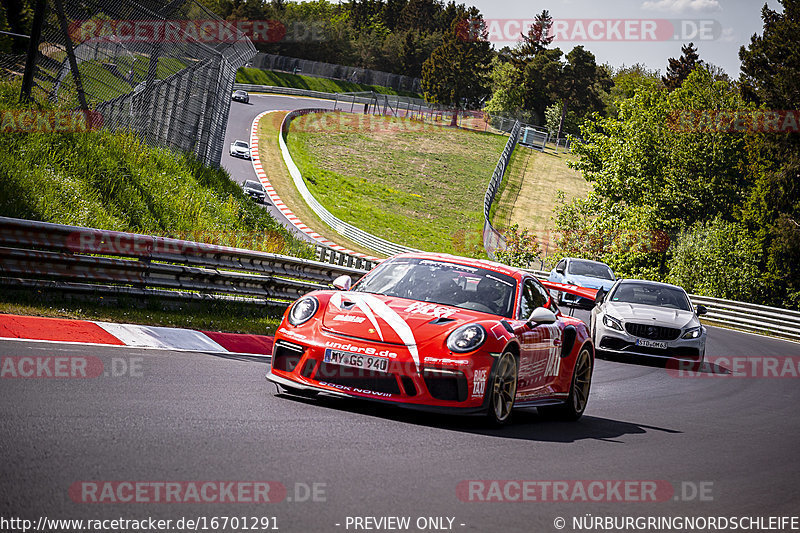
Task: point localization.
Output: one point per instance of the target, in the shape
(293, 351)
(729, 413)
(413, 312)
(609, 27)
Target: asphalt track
(198, 417)
(240, 120)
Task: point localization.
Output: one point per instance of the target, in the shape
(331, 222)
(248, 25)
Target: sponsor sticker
(479, 383)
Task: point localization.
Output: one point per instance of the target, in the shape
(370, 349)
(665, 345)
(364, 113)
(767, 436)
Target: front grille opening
(614, 343)
(357, 378)
(448, 385)
(408, 386)
(649, 331)
(286, 356)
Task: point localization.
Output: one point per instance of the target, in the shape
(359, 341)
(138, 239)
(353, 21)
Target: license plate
(651, 344)
(356, 360)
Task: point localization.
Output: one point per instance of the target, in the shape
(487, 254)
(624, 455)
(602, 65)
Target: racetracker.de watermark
(195, 31)
(49, 121)
(734, 121)
(69, 367)
(583, 490)
(731, 366)
(180, 492)
(598, 30)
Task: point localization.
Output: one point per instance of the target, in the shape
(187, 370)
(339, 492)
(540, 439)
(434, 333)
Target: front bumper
(260, 198)
(436, 383)
(613, 341)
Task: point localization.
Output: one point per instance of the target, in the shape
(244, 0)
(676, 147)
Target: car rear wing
(583, 292)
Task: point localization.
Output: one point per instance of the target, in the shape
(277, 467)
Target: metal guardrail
(751, 317)
(292, 91)
(45, 256)
(349, 231)
(40, 254)
(493, 240)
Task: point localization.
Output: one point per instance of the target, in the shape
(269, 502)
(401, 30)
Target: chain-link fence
(364, 76)
(162, 69)
(493, 240)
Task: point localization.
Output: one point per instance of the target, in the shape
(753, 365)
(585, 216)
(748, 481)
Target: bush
(718, 259)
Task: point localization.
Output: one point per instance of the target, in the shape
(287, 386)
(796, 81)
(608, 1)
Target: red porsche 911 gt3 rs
(441, 333)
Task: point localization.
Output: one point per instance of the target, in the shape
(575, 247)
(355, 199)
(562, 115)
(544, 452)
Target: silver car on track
(648, 318)
(240, 149)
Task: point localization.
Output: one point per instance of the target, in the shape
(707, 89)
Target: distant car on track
(648, 318)
(583, 273)
(255, 190)
(438, 332)
(240, 149)
(240, 96)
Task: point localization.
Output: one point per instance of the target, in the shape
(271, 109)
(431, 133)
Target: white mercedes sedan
(648, 318)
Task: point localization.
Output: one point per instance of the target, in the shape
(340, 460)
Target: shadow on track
(527, 423)
(671, 365)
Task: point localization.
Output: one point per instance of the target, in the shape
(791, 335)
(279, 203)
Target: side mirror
(343, 283)
(542, 315)
(598, 298)
(560, 270)
(701, 310)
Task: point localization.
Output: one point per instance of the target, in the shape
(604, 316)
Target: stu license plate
(356, 360)
(651, 344)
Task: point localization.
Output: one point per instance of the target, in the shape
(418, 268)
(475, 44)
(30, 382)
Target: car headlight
(466, 338)
(693, 333)
(302, 310)
(612, 322)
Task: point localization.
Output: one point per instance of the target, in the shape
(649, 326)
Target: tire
(503, 390)
(573, 408)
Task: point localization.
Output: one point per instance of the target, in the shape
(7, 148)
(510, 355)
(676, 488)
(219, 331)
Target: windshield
(240, 144)
(443, 283)
(649, 294)
(592, 270)
(253, 185)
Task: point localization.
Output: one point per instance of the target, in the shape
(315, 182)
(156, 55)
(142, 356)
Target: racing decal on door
(554, 351)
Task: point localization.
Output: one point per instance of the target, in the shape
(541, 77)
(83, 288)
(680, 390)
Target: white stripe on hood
(369, 303)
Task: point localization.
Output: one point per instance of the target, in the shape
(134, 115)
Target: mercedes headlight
(693, 333)
(302, 310)
(612, 322)
(466, 338)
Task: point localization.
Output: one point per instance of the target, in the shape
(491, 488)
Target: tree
(541, 82)
(771, 63)
(537, 39)
(522, 248)
(455, 75)
(628, 80)
(506, 90)
(771, 78)
(650, 178)
(679, 69)
(582, 85)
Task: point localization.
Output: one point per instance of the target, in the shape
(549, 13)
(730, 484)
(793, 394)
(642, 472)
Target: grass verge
(257, 76)
(209, 316)
(272, 162)
(409, 183)
(530, 188)
(114, 181)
